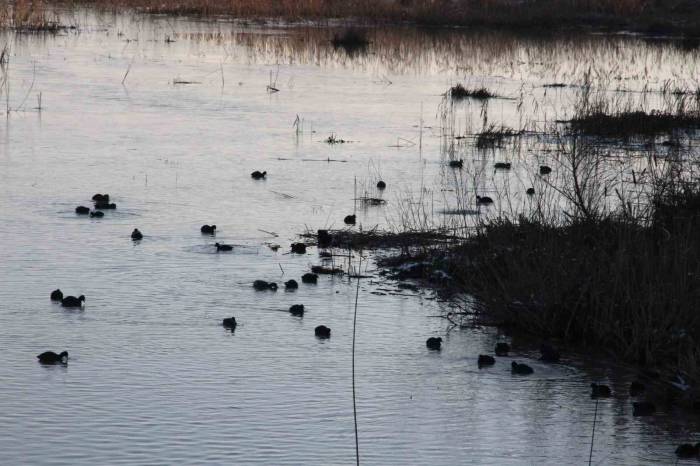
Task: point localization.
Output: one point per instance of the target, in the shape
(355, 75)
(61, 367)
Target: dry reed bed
(652, 17)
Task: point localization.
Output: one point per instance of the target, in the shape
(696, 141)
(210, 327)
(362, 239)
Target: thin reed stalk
(354, 331)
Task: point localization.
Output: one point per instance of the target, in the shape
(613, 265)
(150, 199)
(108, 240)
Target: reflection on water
(153, 377)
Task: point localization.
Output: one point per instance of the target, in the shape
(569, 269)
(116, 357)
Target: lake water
(153, 377)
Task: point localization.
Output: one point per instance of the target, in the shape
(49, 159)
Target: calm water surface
(153, 378)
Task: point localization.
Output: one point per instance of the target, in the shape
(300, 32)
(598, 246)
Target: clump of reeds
(596, 114)
(634, 123)
(609, 281)
(382, 239)
(372, 201)
(459, 92)
(494, 136)
(333, 139)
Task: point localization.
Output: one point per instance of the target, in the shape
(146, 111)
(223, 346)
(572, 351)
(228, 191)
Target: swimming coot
(96, 214)
(486, 360)
(483, 200)
(297, 310)
(100, 197)
(82, 210)
(223, 247)
(261, 285)
(72, 301)
(57, 295)
(434, 343)
(309, 278)
(256, 175)
(208, 229)
(350, 219)
(522, 369)
(291, 285)
(456, 163)
(230, 323)
(136, 235)
(600, 391)
(381, 185)
(322, 332)
(502, 165)
(105, 206)
(530, 191)
(545, 170)
(49, 357)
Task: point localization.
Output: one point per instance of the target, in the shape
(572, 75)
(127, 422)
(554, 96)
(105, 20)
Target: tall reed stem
(354, 327)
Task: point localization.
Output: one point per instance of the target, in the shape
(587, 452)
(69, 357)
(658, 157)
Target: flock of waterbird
(102, 202)
(549, 354)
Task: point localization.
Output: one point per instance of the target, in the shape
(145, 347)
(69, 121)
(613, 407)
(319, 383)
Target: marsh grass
(629, 285)
(597, 114)
(634, 123)
(622, 274)
(610, 281)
